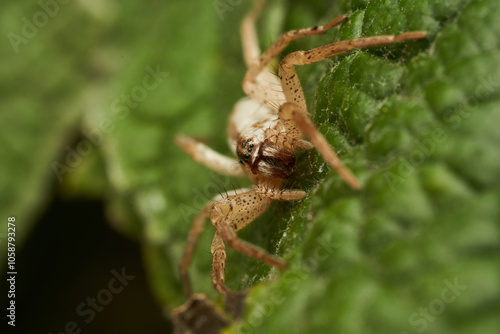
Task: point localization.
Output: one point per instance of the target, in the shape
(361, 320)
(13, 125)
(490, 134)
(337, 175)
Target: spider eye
(244, 151)
(245, 143)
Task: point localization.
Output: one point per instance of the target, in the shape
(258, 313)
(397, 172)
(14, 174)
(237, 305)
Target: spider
(265, 129)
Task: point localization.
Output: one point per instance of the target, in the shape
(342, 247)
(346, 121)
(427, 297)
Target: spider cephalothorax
(267, 158)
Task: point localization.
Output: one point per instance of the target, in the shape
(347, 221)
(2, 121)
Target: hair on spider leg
(220, 185)
(275, 69)
(221, 195)
(235, 187)
(225, 190)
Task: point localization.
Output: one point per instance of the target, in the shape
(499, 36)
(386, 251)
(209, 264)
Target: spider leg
(290, 112)
(251, 50)
(233, 213)
(193, 238)
(296, 108)
(218, 250)
(265, 81)
(194, 235)
(288, 76)
(209, 158)
(279, 194)
(252, 83)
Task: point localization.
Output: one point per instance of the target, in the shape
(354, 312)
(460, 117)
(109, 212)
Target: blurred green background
(93, 92)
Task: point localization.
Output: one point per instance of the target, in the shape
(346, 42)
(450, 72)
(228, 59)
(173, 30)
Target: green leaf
(416, 122)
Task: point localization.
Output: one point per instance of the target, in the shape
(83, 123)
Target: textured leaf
(415, 121)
